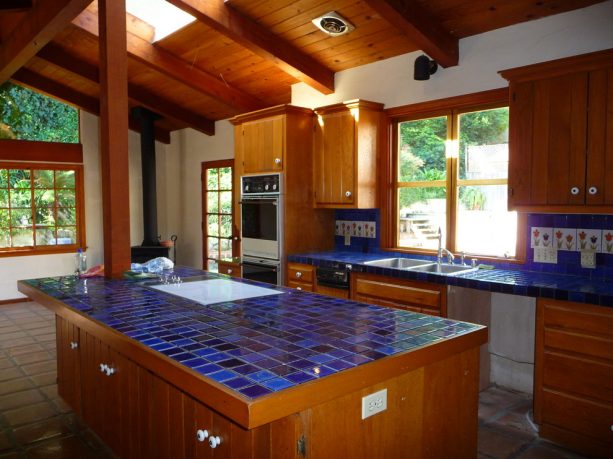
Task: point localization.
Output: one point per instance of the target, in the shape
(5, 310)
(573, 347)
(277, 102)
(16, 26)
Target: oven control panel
(260, 184)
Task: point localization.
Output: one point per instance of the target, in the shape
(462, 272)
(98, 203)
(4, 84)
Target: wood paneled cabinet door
(345, 145)
(573, 384)
(68, 363)
(262, 145)
(230, 268)
(561, 135)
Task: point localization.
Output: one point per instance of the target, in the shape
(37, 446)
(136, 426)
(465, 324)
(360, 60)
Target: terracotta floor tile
(6, 338)
(50, 391)
(5, 363)
(61, 406)
(45, 379)
(49, 428)
(545, 450)
(16, 342)
(35, 325)
(34, 357)
(15, 385)
(61, 448)
(28, 414)
(10, 456)
(495, 445)
(14, 351)
(17, 399)
(45, 337)
(10, 373)
(5, 443)
(38, 368)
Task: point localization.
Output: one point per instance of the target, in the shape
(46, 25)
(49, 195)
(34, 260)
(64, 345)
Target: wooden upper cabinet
(262, 138)
(345, 147)
(561, 134)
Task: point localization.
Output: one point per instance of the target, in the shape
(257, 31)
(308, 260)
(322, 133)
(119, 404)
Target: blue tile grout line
(254, 346)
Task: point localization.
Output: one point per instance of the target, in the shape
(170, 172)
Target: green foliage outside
(28, 115)
(422, 153)
(54, 209)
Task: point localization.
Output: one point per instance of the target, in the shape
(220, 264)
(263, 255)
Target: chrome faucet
(441, 249)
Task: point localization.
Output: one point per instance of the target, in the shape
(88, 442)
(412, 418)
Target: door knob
(592, 190)
(229, 270)
(348, 194)
(574, 190)
(298, 274)
(214, 442)
(277, 160)
(202, 434)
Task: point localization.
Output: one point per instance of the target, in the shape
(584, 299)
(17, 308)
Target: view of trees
(28, 115)
(422, 152)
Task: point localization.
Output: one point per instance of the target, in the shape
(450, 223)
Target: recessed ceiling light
(333, 24)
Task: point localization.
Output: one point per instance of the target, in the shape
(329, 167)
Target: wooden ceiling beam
(421, 28)
(39, 25)
(57, 56)
(85, 102)
(262, 42)
(176, 68)
(15, 5)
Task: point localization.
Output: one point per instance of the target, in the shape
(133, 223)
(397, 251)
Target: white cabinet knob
(103, 367)
(348, 194)
(74, 345)
(574, 190)
(229, 270)
(202, 434)
(298, 288)
(592, 190)
(110, 371)
(214, 442)
(277, 160)
(298, 274)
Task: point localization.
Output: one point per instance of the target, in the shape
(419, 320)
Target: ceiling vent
(333, 24)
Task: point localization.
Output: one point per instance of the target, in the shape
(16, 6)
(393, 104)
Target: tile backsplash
(361, 225)
(570, 235)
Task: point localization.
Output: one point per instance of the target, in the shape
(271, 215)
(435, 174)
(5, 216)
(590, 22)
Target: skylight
(164, 17)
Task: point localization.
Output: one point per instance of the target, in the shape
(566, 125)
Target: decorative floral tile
(541, 237)
(337, 228)
(589, 239)
(607, 241)
(345, 227)
(370, 229)
(565, 238)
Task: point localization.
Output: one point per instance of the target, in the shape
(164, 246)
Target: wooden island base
(143, 404)
(140, 415)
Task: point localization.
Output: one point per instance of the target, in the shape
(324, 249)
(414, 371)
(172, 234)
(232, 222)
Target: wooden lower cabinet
(138, 414)
(573, 387)
(411, 295)
(301, 276)
(69, 363)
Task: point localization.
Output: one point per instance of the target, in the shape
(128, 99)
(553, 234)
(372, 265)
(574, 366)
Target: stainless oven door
(260, 227)
(262, 270)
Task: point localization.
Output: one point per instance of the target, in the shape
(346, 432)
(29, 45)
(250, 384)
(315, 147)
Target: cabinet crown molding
(285, 109)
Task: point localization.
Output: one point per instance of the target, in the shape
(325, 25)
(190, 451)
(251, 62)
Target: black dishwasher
(336, 276)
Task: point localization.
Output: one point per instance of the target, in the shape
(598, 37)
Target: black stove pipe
(147, 149)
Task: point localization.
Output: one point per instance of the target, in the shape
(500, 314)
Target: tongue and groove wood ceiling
(239, 55)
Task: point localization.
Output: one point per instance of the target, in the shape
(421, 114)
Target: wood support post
(114, 136)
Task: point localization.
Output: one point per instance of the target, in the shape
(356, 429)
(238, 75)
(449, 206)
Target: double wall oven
(261, 205)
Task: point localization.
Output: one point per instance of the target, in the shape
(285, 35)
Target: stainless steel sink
(398, 263)
(444, 269)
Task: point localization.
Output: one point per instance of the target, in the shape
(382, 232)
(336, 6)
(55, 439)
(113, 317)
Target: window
(40, 208)
(29, 115)
(450, 172)
(217, 209)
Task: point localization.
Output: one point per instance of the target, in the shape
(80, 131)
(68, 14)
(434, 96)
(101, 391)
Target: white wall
(13, 269)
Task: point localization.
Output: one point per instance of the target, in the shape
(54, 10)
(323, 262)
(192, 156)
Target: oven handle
(256, 264)
(273, 201)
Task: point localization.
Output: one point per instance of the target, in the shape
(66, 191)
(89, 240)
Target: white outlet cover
(374, 403)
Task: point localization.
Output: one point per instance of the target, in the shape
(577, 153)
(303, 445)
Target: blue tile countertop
(516, 282)
(253, 346)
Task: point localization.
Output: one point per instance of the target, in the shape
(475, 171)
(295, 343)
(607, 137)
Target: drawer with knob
(230, 268)
(299, 272)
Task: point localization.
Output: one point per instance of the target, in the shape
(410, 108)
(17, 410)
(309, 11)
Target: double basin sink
(412, 264)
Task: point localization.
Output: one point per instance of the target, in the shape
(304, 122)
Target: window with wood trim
(449, 167)
(217, 199)
(41, 208)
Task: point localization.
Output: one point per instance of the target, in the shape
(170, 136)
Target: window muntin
(467, 200)
(218, 210)
(40, 208)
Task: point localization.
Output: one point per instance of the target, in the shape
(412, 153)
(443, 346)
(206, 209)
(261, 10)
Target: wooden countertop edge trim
(272, 407)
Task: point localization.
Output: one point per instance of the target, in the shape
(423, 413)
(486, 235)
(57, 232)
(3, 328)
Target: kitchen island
(281, 375)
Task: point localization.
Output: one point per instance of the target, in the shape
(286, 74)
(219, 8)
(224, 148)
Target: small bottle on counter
(80, 262)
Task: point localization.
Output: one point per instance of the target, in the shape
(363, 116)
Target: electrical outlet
(374, 403)
(588, 259)
(347, 238)
(545, 255)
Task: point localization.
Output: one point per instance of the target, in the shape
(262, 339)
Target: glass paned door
(218, 218)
